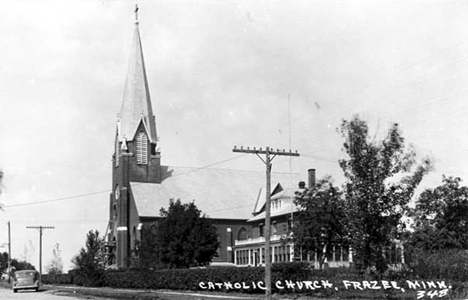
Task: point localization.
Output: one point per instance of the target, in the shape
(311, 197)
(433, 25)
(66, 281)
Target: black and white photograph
(233, 149)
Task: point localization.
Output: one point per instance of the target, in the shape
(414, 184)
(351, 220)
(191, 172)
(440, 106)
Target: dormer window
(142, 148)
(276, 204)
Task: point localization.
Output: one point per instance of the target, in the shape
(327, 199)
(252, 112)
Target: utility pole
(268, 159)
(41, 229)
(9, 252)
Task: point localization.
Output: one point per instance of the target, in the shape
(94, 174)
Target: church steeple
(136, 103)
(136, 139)
(135, 156)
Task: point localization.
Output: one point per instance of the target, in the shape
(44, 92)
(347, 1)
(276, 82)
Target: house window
(242, 234)
(274, 228)
(276, 204)
(260, 227)
(338, 252)
(135, 240)
(329, 253)
(142, 148)
(345, 253)
(154, 229)
(290, 224)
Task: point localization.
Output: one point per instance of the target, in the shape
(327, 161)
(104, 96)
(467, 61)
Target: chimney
(311, 178)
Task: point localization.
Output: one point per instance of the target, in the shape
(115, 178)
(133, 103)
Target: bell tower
(135, 157)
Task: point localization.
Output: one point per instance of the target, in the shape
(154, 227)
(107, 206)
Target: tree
(381, 180)
(56, 265)
(21, 265)
(441, 217)
(148, 248)
(90, 261)
(182, 238)
(28, 250)
(321, 219)
(3, 262)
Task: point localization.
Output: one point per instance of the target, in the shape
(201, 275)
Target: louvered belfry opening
(142, 149)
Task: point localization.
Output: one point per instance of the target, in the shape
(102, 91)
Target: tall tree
(56, 264)
(90, 261)
(183, 238)
(321, 219)
(441, 217)
(381, 179)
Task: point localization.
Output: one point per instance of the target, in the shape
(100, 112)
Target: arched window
(154, 229)
(142, 148)
(242, 234)
(135, 238)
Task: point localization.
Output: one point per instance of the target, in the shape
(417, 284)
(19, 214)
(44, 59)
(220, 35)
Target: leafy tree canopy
(3, 262)
(381, 179)
(182, 238)
(56, 264)
(441, 217)
(90, 260)
(321, 219)
(21, 265)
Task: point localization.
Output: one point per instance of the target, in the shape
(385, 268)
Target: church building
(142, 185)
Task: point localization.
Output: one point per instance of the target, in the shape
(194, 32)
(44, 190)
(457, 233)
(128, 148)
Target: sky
(282, 74)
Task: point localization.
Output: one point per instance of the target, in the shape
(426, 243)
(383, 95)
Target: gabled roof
(260, 205)
(136, 101)
(288, 206)
(219, 193)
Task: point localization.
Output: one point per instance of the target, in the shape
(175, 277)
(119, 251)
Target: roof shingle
(219, 193)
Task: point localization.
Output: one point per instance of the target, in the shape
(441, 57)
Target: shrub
(56, 279)
(190, 279)
(450, 264)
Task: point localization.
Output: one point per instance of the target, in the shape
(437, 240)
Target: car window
(24, 274)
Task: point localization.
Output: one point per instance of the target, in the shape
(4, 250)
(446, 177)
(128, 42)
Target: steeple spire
(136, 102)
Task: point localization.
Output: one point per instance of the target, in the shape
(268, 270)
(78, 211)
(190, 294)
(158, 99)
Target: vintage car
(25, 279)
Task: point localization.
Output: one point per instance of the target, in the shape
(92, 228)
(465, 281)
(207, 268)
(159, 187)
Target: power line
(323, 158)
(58, 199)
(108, 190)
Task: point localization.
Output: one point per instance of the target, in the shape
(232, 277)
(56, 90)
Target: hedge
(190, 279)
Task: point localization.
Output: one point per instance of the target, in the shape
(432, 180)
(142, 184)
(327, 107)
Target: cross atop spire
(136, 13)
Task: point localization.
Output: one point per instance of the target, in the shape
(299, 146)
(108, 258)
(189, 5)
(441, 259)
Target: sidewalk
(106, 293)
(112, 293)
